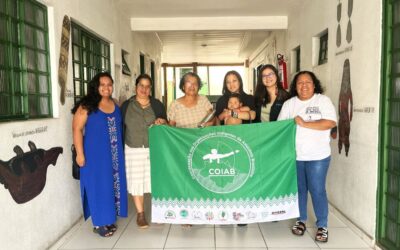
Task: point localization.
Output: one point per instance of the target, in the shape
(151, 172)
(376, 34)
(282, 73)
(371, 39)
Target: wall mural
(338, 30)
(345, 95)
(63, 61)
(349, 34)
(25, 174)
(345, 109)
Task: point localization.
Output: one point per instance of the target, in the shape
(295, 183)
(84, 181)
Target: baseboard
(70, 232)
(357, 230)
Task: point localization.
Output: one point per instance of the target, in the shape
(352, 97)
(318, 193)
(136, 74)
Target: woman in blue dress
(97, 127)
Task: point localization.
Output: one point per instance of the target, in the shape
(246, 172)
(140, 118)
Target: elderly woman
(189, 110)
(233, 84)
(140, 112)
(100, 155)
(269, 95)
(314, 115)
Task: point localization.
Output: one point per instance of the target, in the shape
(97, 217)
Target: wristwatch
(234, 114)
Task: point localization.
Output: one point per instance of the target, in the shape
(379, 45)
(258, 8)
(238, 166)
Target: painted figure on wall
(338, 29)
(345, 109)
(63, 60)
(25, 174)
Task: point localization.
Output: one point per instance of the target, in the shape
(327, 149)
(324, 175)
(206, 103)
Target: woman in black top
(233, 84)
(269, 94)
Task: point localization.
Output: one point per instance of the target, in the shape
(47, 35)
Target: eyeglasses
(271, 74)
(144, 86)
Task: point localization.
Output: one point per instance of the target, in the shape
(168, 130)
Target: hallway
(273, 235)
(50, 50)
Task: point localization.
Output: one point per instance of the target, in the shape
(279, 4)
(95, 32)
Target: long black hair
(91, 100)
(317, 83)
(225, 90)
(261, 94)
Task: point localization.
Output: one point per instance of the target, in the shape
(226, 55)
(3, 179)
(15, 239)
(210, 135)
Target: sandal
(299, 228)
(103, 231)
(112, 228)
(322, 235)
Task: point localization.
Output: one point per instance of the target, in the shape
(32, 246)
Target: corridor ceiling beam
(210, 23)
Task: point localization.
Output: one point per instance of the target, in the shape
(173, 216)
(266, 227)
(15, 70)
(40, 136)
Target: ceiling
(207, 31)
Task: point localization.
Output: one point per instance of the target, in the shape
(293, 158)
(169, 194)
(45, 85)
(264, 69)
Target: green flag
(224, 174)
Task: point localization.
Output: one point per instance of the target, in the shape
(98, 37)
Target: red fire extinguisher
(282, 71)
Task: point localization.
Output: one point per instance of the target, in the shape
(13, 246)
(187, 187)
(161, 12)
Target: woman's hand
(160, 121)
(299, 121)
(225, 114)
(80, 159)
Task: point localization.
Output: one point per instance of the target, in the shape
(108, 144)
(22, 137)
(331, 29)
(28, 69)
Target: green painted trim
(384, 131)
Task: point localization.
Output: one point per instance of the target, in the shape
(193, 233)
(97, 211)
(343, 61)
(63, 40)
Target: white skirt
(137, 162)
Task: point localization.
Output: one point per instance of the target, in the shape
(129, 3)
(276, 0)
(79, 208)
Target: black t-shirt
(222, 104)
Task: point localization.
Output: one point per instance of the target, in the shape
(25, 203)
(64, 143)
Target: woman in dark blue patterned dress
(97, 129)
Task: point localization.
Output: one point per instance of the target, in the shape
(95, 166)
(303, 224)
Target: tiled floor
(273, 235)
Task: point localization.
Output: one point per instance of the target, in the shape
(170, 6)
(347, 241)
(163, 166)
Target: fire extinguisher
(282, 71)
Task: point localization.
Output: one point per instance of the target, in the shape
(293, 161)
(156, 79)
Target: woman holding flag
(314, 115)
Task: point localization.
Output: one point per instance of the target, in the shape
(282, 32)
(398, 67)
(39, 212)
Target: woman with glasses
(314, 115)
(139, 113)
(269, 95)
(233, 84)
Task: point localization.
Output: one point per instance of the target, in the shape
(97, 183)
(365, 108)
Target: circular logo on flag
(221, 162)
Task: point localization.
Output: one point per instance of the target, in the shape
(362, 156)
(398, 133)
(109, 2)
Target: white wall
(352, 180)
(38, 223)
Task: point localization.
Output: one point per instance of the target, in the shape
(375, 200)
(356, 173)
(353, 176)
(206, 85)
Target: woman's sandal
(322, 235)
(103, 231)
(112, 228)
(299, 228)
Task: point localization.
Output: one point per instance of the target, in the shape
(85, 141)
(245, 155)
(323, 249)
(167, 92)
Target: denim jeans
(311, 176)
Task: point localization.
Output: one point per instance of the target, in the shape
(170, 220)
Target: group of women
(107, 139)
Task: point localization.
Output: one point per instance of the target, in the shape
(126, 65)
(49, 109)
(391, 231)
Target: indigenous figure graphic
(216, 156)
(345, 109)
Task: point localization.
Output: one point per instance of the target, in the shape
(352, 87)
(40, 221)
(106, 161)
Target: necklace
(143, 103)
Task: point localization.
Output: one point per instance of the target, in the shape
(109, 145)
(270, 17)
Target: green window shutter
(25, 87)
(90, 55)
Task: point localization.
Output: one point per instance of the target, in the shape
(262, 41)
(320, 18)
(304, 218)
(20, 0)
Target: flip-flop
(103, 231)
(299, 228)
(112, 228)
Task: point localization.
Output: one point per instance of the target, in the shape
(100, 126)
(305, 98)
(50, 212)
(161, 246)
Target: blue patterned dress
(103, 179)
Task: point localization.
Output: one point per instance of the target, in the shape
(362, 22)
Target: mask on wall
(25, 174)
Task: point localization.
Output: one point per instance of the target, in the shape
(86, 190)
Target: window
(90, 55)
(142, 67)
(125, 66)
(25, 91)
(323, 48)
